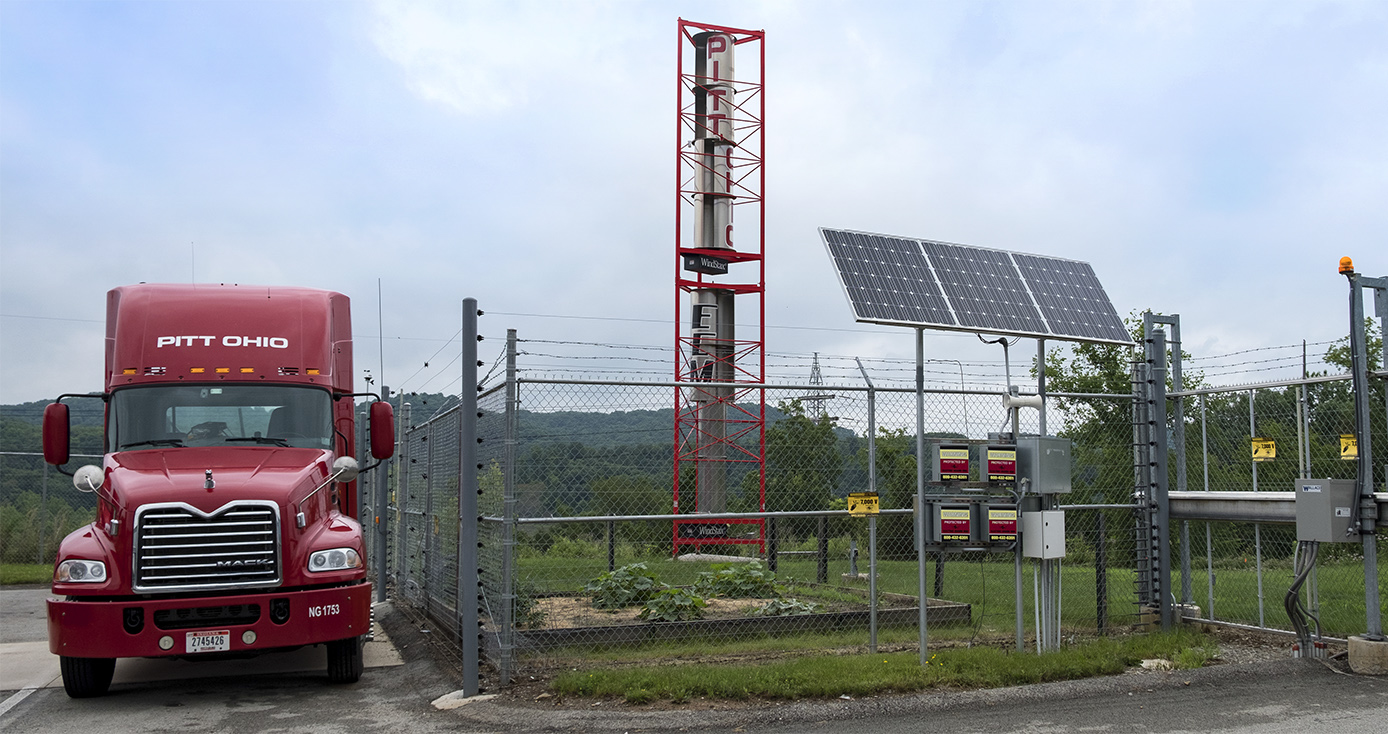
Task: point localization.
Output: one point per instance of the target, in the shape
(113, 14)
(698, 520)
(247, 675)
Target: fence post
(772, 547)
(872, 519)
(1209, 536)
(1257, 529)
(469, 591)
(1156, 377)
(611, 546)
(1364, 476)
(921, 508)
(427, 549)
(43, 515)
(822, 571)
(508, 512)
(1101, 575)
(382, 487)
(402, 494)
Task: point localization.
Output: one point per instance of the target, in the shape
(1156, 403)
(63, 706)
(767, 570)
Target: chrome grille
(178, 547)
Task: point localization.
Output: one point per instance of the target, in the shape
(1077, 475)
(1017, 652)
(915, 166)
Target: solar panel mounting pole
(920, 486)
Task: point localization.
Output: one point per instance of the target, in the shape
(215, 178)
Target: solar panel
(940, 285)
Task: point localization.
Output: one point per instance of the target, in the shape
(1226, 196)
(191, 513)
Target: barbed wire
(1259, 349)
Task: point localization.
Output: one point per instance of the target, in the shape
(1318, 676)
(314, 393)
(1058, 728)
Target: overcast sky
(1210, 159)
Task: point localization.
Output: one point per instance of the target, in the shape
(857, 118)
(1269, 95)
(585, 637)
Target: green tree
(802, 464)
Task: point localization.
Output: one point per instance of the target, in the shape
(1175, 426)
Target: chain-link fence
(1263, 440)
(578, 523)
(39, 506)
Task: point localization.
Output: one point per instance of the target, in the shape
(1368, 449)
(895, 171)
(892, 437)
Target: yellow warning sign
(1264, 449)
(861, 504)
(1349, 447)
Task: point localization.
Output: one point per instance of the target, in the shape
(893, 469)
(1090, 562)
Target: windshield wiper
(261, 439)
(154, 442)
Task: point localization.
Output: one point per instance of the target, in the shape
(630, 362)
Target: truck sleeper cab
(226, 497)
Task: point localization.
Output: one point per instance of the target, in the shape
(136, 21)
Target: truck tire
(345, 660)
(86, 677)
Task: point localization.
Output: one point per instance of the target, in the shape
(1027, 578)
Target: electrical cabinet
(1043, 534)
(1324, 509)
(1044, 462)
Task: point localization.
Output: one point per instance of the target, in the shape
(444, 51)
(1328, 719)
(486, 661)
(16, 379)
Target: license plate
(209, 641)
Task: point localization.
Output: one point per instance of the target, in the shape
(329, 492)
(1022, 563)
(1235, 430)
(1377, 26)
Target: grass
(25, 573)
(866, 674)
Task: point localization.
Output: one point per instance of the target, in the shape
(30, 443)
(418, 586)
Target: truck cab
(227, 515)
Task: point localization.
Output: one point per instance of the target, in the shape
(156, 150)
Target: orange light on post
(1346, 266)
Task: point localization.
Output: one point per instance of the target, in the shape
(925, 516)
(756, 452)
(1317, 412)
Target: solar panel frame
(907, 281)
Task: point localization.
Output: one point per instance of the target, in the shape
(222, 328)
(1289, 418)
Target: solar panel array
(939, 285)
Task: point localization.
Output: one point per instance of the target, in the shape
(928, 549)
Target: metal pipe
(382, 482)
(920, 492)
(872, 519)
(468, 589)
(1205, 465)
(510, 433)
(1364, 475)
(1258, 559)
(872, 584)
(1261, 385)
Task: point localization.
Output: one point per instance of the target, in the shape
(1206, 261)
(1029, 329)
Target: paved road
(1281, 696)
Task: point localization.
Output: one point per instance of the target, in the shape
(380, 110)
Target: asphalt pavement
(1283, 695)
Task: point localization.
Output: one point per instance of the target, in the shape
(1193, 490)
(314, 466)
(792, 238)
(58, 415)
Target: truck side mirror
(382, 430)
(56, 434)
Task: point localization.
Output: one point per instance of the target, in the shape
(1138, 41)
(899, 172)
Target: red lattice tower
(720, 176)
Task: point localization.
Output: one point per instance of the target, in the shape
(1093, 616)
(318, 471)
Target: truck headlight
(336, 559)
(80, 572)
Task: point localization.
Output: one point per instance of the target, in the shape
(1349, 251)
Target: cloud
(485, 57)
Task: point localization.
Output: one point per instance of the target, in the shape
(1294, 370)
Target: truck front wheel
(345, 660)
(86, 677)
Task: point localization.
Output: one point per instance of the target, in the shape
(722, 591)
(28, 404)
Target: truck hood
(279, 475)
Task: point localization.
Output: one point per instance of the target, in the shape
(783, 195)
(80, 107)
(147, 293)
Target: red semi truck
(226, 497)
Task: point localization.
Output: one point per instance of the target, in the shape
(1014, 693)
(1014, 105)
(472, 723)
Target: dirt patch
(572, 612)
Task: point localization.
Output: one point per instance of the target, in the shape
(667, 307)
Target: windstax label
(273, 342)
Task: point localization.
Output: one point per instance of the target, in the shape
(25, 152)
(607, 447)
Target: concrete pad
(450, 701)
(715, 558)
(31, 665)
(27, 665)
(1368, 657)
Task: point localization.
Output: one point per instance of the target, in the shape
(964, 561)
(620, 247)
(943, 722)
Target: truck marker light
(198, 370)
(313, 371)
(128, 371)
(247, 370)
(223, 370)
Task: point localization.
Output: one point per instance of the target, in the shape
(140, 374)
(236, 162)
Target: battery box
(1002, 524)
(955, 523)
(949, 462)
(997, 463)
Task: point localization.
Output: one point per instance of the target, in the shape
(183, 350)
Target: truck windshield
(216, 415)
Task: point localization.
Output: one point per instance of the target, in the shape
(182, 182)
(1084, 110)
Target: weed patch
(863, 675)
